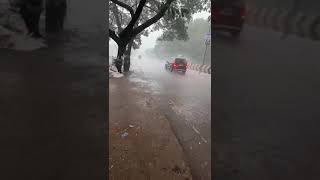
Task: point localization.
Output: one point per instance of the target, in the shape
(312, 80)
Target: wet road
(267, 121)
(186, 101)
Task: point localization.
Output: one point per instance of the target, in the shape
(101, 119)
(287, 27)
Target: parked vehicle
(178, 65)
(229, 16)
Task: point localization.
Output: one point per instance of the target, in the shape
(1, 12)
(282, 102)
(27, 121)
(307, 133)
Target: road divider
(286, 21)
(199, 67)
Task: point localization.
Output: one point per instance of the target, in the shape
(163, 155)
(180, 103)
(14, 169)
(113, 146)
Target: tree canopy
(130, 19)
(169, 15)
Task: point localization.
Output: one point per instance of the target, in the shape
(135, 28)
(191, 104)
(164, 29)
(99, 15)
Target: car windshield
(180, 61)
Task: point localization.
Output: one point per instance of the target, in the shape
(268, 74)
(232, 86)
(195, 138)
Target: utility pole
(207, 42)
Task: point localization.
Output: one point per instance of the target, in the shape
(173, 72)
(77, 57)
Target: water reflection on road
(186, 100)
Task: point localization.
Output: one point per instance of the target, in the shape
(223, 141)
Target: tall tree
(55, 15)
(138, 15)
(117, 20)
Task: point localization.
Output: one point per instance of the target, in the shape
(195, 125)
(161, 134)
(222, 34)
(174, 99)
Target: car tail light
(174, 65)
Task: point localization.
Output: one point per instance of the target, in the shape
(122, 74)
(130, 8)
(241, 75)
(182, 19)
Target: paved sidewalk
(141, 143)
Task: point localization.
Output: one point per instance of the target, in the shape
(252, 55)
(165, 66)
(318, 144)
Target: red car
(229, 16)
(178, 65)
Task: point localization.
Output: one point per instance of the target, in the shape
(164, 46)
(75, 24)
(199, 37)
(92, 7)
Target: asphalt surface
(53, 105)
(267, 99)
(186, 102)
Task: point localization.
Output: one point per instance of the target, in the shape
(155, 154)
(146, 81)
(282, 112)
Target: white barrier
(278, 19)
(199, 67)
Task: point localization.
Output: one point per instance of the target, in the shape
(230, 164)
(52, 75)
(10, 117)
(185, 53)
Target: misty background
(192, 49)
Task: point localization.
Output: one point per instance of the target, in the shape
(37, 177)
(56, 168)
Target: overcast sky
(150, 41)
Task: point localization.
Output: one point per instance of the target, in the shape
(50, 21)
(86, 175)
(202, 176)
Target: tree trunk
(55, 15)
(121, 50)
(126, 65)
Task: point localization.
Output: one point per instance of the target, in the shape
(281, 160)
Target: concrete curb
(300, 24)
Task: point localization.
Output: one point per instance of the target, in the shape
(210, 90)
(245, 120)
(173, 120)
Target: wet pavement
(142, 144)
(186, 102)
(267, 107)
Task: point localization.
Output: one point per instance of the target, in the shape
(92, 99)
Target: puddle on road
(146, 103)
(138, 80)
(155, 88)
(181, 110)
(194, 117)
(147, 86)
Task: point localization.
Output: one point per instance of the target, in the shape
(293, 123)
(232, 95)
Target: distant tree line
(192, 49)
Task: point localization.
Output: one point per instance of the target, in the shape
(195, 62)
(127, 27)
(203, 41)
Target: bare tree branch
(134, 18)
(127, 7)
(116, 16)
(113, 35)
(151, 21)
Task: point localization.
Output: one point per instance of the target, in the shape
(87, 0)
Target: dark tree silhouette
(55, 15)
